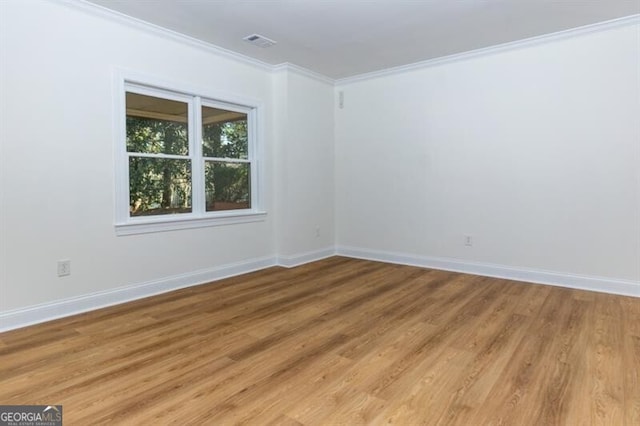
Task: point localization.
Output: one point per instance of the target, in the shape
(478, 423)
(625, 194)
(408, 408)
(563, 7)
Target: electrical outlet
(64, 268)
(317, 231)
(468, 240)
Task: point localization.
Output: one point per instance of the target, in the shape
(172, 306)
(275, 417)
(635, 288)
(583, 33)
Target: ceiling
(343, 38)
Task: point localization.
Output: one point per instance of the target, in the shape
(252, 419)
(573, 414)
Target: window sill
(149, 225)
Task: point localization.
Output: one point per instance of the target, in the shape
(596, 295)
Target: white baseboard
(302, 258)
(581, 282)
(23, 317)
(35, 314)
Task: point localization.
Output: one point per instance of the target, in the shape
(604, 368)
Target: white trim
(305, 72)
(302, 258)
(560, 279)
(257, 140)
(30, 315)
(157, 83)
(139, 24)
(18, 318)
(175, 222)
(151, 85)
(198, 191)
(120, 166)
(490, 50)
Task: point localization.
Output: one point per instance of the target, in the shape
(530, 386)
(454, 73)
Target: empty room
(320, 212)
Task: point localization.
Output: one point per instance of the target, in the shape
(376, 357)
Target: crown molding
(287, 66)
(505, 47)
(103, 12)
(115, 16)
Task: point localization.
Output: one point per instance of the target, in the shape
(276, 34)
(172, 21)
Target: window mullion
(195, 149)
(226, 160)
(122, 164)
(159, 156)
(252, 121)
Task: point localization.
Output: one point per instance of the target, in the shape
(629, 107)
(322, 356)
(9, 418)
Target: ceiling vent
(259, 40)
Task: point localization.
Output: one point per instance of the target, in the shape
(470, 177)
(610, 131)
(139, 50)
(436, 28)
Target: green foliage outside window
(163, 186)
(226, 183)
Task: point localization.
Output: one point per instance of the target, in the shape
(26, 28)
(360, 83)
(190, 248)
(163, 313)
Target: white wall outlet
(317, 231)
(64, 268)
(468, 240)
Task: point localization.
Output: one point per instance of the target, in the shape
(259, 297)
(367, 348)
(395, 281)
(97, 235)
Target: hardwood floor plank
(400, 373)
(292, 392)
(630, 311)
(552, 386)
(325, 399)
(422, 401)
(338, 341)
(604, 359)
(532, 299)
(511, 400)
(482, 372)
(283, 420)
(360, 409)
(632, 381)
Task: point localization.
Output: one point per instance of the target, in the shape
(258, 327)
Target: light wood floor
(340, 341)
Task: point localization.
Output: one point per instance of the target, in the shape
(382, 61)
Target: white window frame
(125, 224)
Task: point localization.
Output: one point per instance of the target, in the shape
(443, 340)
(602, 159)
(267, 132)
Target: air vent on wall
(259, 40)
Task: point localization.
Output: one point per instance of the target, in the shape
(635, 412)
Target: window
(184, 160)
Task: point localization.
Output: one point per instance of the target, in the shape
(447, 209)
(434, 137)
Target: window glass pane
(224, 133)
(227, 185)
(156, 125)
(159, 186)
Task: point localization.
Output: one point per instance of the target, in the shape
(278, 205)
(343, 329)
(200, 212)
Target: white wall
(57, 167)
(304, 164)
(57, 156)
(534, 152)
